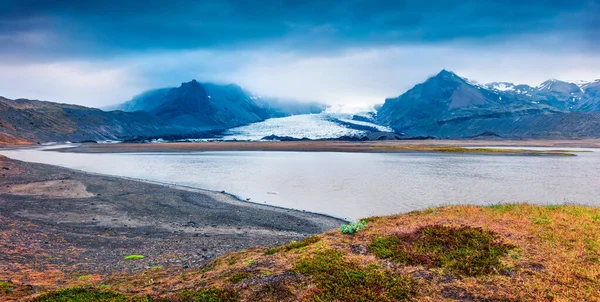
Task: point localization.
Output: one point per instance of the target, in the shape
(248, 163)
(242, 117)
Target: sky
(352, 52)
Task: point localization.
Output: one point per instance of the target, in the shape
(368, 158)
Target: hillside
(464, 253)
(38, 121)
(449, 106)
(189, 111)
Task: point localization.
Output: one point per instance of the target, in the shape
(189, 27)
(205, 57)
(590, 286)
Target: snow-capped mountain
(447, 105)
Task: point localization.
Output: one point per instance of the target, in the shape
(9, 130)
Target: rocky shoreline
(56, 223)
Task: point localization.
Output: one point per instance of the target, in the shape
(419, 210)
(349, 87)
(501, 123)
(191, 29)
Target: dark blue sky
(130, 45)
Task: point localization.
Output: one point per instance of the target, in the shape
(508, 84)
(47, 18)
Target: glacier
(310, 126)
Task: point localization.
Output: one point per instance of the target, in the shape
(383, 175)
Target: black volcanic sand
(79, 222)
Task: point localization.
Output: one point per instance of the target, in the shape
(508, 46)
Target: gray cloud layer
(101, 52)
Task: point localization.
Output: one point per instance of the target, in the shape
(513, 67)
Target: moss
(81, 294)
(238, 277)
(272, 251)
(90, 294)
(464, 250)
(272, 292)
(207, 295)
(6, 287)
(86, 277)
(340, 279)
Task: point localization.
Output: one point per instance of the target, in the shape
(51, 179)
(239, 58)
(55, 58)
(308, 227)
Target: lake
(354, 185)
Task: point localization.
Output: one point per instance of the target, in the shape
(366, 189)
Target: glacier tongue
(311, 126)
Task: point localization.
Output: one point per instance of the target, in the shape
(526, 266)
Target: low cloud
(69, 82)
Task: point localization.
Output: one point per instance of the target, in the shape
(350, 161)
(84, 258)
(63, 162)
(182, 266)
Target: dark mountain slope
(145, 101)
(213, 106)
(449, 106)
(39, 121)
(193, 104)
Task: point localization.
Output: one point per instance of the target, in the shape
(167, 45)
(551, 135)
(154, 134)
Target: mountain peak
(445, 72)
(193, 82)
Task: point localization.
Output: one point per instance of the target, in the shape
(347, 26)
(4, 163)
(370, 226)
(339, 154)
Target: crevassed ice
(362, 123)
(311, 126)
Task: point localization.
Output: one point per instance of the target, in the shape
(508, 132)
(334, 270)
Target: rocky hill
(449, 106)
(31, 121)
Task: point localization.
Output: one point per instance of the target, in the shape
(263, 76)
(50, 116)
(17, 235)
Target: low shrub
(464, 250)
(353, 227)
(339, 279)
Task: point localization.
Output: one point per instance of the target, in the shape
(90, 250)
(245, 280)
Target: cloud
(101, 52)
(102, 28)
(72, 82)
(370, 75)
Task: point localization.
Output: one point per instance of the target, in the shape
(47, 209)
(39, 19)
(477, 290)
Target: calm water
(355, 185)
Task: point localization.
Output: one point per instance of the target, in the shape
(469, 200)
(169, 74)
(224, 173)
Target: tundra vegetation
(504, 252)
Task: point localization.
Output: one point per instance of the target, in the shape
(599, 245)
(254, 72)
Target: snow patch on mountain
(502, 86)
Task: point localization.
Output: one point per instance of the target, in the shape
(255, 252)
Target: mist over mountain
(214, 106)
(193, 110)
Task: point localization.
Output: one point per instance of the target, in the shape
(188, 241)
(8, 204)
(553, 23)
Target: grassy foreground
(496, 253)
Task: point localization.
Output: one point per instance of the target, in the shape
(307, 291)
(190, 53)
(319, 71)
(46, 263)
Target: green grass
(339, 279)
(156, 267)
(353, 227)
(464, 250)
(134, 257)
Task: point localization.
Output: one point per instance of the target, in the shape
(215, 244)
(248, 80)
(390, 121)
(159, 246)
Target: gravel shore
(57, 219)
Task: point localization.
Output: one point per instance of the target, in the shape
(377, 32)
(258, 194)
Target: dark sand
(72, 223)
(325, 146)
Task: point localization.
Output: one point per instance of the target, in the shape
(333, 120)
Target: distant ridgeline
(193, 110)
(444, 106)
(449, 106)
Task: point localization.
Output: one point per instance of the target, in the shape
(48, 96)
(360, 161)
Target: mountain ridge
(449, 106)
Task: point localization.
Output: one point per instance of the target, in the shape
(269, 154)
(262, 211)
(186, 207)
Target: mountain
(213, 106)
(591, 101)
(145, 101)
(192, 110)
(449, 106)
(32, 121)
